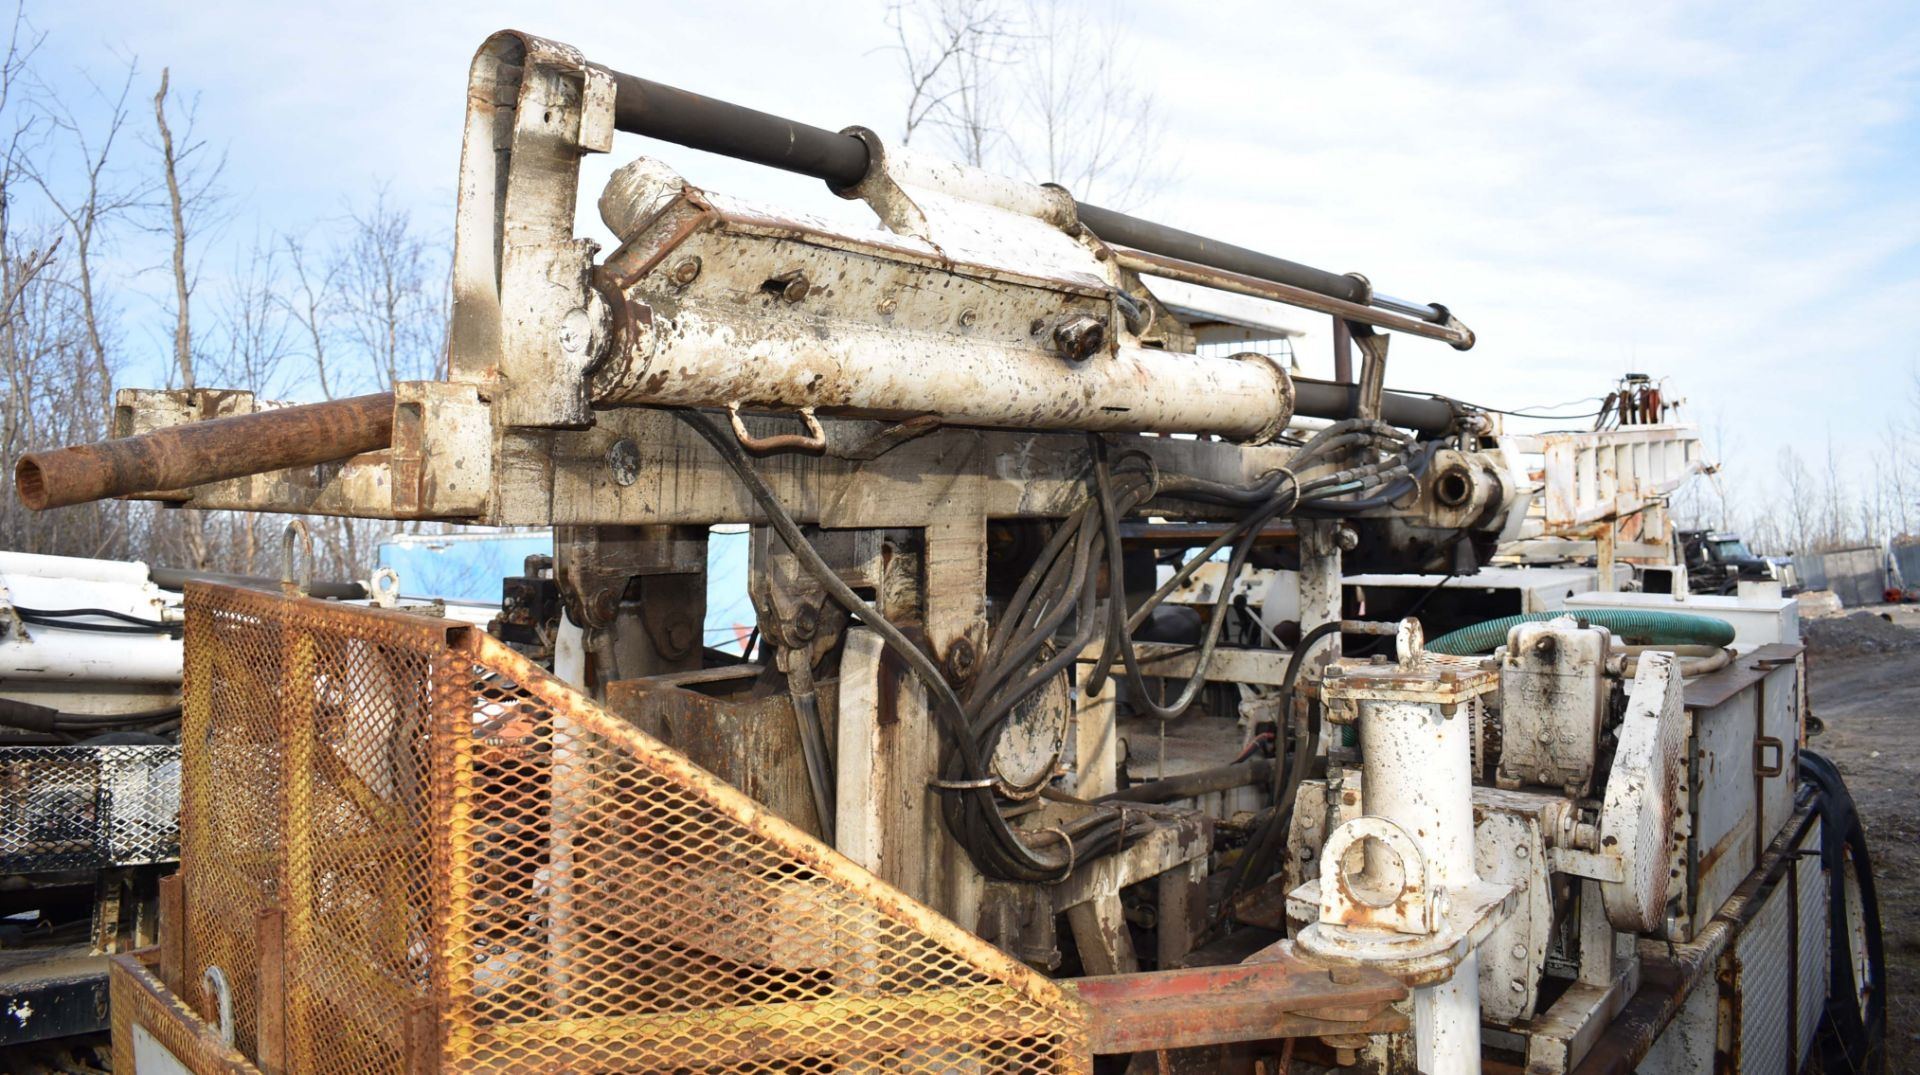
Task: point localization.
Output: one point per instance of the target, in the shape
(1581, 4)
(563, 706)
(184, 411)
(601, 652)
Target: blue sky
(1725, 194)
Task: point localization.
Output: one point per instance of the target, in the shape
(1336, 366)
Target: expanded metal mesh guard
(480, 870)
(88, 807)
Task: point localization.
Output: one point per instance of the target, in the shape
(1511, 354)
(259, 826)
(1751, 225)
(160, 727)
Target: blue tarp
(469, 567)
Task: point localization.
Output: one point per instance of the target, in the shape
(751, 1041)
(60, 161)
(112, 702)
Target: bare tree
(101, 199)
(1091, 126)
(255, 333)
(388, 279)
(1041, 90)
(311, 300)
(193, 193)
(1801, 514)
(943, 46)
(1897, 478)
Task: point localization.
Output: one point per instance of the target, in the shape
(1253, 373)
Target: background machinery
(911, 833)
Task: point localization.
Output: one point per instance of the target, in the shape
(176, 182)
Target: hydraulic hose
(1635, 626)
(1694, 660)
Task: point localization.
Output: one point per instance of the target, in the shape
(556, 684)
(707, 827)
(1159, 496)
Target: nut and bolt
(795, 286)
(968, 317)
(623, 460)
(960, 660)
(888, 305)
(685, 271)
(1343, 975)
(1079, 336)
(603, 607)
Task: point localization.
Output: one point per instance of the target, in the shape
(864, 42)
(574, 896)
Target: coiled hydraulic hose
(1632, 625)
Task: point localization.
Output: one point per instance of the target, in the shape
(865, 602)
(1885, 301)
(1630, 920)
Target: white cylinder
(869, 371)
(1446, 1022)
(1417, 771)
(72, 568)
(53, 654)
(1417, 768)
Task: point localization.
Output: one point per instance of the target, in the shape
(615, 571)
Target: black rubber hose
(1257, 860)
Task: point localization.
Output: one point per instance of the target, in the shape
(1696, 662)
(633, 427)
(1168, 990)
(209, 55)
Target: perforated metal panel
(82, 808)
(482, 871)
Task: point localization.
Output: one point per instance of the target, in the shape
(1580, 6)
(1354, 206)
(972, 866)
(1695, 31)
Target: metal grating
(1811, 888)
(480, 870)
(1762, 973)
(84, 808)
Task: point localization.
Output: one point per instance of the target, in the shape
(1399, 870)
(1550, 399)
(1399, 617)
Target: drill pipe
(201, 452)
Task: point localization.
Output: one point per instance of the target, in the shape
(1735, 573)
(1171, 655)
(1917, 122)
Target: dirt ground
(1864, 672)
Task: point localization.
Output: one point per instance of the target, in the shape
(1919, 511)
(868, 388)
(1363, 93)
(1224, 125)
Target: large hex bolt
(1079, 336)
(960, 660)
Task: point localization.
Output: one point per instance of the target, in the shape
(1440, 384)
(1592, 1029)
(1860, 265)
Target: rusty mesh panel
(357, 712)
(230, 841)
(478, 865)
(635, 914)
(311, 795)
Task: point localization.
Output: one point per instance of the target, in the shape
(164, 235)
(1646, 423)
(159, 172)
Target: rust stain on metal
(1275, 994)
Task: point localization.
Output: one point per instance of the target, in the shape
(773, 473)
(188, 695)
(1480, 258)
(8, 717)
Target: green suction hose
(1632, 625)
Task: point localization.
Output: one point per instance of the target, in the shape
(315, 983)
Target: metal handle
(219, 996)
(288, 585)
(814, 443)
(1760, 748)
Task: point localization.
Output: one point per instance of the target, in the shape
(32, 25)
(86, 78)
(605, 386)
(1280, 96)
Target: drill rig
(899, 838)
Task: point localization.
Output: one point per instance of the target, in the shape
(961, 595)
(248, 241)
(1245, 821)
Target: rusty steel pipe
(201, 452)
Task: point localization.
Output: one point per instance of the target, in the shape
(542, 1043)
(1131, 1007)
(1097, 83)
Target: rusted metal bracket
(1275, 994)
(594, 564)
